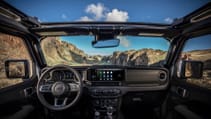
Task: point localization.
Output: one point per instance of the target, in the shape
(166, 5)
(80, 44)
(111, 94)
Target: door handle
(29, 91)
(182, 92)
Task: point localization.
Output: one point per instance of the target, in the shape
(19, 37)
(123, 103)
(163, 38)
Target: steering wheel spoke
(74, 87)
(45, 88)
(58, 102)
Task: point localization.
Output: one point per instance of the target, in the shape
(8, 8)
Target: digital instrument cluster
(62, 75)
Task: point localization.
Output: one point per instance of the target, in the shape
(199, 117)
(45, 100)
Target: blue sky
(198, 43)
(160, 11)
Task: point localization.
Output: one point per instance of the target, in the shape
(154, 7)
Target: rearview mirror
(17, 69)
(105, 40)
(191, 69)
(105, 43)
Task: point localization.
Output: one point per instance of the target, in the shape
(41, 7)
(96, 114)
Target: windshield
(78, 51)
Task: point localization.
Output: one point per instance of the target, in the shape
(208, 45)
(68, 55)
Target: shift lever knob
(97, 115)
(110, 111)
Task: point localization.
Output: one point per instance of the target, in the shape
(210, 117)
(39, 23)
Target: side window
(199, 49)
(11, 47)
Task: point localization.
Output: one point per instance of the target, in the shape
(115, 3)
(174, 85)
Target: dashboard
(156, 78)
(143, 79)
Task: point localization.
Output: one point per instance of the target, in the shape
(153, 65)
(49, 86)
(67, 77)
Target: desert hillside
(11, 47)
(136, 57)
(201, 55)
(58, 51)
(205, 57)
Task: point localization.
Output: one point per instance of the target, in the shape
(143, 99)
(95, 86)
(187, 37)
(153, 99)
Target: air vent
(162, 76)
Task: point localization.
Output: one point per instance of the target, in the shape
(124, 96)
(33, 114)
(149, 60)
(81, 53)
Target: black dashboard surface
(125, 78)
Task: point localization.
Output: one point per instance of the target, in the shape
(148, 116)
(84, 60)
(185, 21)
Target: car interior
(105, 70)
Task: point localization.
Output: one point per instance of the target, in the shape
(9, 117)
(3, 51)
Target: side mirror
(17, 69)
(191, 69)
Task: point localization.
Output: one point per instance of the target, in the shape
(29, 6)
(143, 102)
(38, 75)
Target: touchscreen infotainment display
(106, 74)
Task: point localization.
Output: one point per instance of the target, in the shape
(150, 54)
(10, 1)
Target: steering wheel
(65, 94)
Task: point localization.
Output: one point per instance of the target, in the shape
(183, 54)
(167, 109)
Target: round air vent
(162, 76)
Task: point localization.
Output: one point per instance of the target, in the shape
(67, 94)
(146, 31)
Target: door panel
(190, 97)
(196, 100)
(15, 94)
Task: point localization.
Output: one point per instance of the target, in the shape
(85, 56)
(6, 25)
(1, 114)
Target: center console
(110, 88)
(105, 101)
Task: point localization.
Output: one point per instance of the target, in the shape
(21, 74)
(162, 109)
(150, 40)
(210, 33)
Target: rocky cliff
(201, 55)
(136, 57)
(11, 47)
(58, 51)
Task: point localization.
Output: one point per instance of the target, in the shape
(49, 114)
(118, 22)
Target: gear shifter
(110, 111)
(97, 115)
